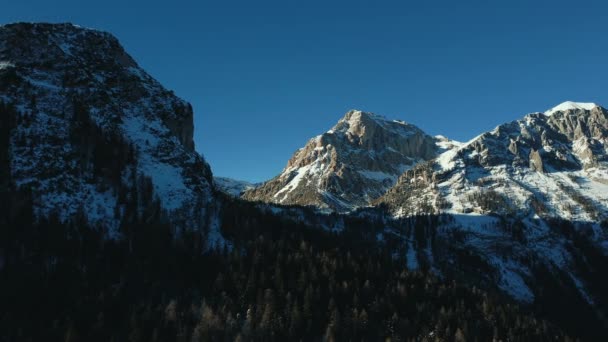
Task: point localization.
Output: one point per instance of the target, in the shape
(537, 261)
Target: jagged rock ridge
(550, 165)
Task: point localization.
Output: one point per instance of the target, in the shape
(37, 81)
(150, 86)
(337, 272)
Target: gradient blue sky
(265, 76)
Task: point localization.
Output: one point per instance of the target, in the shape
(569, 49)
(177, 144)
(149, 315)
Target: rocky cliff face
(567, 138)
(79, 98)
(350, 165)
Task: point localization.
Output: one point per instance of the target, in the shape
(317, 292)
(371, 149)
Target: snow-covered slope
(549, 166)
(569, 105)
(509, 193)
(63, 81)
(350, 165)
(231, 186)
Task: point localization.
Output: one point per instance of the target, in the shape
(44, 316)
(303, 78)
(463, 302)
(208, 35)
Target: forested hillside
(279, 281)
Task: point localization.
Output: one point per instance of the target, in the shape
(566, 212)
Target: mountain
(350, 165)
(93, 131)
(550, 165)
(232, 187)
(530, 193)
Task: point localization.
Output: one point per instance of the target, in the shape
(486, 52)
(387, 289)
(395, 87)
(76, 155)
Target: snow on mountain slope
(522, 177)
(569, 105)
(350, 165)
(231, 186)
(63, 80)
(550, 166)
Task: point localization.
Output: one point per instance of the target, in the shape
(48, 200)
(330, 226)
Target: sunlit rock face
(350, 165)
(551, 164)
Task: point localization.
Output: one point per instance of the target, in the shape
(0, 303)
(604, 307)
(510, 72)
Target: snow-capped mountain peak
(570, 105)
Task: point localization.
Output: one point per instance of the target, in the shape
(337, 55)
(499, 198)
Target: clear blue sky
(265, 76)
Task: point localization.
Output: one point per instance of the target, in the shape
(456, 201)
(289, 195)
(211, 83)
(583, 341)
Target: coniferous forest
(66, 282)
(276, 279)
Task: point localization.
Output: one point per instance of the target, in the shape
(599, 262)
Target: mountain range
(550, 165)
(544, 167)
(88, 137)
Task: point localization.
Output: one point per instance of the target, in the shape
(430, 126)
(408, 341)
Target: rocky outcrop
(581, 123)
(182, 125)
(586, 130)
(536, 162)
(350, 165)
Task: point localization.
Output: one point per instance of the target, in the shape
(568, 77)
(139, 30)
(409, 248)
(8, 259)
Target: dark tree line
(8, 118)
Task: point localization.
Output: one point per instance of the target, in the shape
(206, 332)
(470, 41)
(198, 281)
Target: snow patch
(214, 237)
(300, 173)
(512, 282)
(447, 160)
(569, 105)
(6, 65)
(43, 84)
(168, 183)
